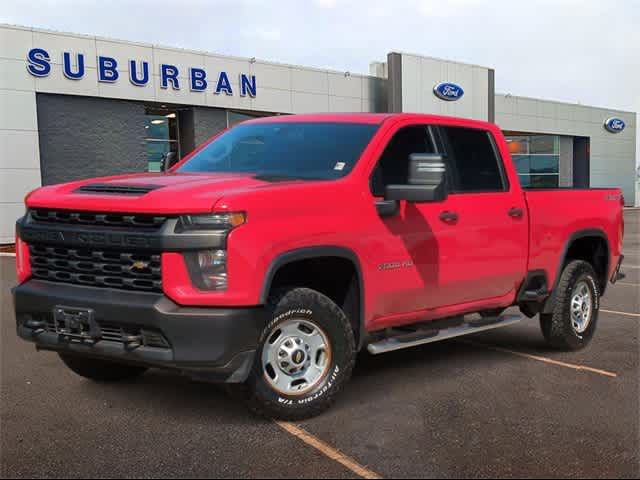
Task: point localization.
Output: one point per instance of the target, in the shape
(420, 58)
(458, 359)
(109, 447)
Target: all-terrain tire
(305, 305)
(100, 370)
(558, 327)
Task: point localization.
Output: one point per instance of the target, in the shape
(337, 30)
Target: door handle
(449, 217)
(515, 212)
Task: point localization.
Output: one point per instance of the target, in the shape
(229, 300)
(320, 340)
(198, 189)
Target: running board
(422, 337)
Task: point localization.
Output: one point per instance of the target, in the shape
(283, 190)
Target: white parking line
(630, 314)
(550, 361)
(7, 254)
(628, 284)
(327, 450)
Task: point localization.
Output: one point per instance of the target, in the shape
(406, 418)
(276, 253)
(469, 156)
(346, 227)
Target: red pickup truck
(274, 253)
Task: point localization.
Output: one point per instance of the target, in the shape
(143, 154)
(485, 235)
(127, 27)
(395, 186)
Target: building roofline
(439, 59)
(185, 50)
(572, 104)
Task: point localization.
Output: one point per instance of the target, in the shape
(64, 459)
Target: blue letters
(247, 85)
(74, 68)
(107, 69)
(133, 73)
(169, 73)
(224, 84)
(198, 82)
(39, 65)
(68, 71)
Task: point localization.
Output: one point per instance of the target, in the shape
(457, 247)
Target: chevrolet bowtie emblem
(140, 265)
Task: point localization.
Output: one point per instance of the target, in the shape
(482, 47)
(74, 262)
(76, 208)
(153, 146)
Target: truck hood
(170, 193)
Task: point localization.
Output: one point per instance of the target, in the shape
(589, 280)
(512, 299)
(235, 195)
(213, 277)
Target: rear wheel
(572, 323)
(306, 355)
(100, 370)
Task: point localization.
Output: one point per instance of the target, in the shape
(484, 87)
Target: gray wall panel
(82, 137)
(207, 122)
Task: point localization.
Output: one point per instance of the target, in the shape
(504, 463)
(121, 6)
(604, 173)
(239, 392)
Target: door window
(393, 166)
(473, 160)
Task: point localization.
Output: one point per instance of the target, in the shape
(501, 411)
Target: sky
(583, 51)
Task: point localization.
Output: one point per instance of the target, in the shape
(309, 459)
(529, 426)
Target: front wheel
(572, 323)
(306, 355)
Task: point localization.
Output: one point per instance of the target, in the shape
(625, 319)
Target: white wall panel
(9, 213)
(18, 149)
(18, 110)
(14, 75)
(15, 42)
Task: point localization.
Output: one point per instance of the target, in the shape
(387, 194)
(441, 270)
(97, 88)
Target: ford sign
(449, 92)
(614, 125)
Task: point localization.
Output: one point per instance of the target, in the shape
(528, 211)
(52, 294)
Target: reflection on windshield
(285, 150)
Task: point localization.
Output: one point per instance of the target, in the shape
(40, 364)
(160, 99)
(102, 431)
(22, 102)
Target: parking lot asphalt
(498, 403)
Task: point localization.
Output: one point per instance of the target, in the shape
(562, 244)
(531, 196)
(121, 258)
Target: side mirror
(169, 160)
(426, 180)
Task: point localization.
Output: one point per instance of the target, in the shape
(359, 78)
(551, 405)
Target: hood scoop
(117, 189)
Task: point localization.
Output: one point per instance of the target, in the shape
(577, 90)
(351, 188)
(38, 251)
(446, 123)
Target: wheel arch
(570, 249)
(319, 252)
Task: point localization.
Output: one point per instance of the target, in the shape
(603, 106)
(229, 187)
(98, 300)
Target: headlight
(208, 269)
(214, 221)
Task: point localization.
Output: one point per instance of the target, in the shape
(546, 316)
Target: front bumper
(212, 344)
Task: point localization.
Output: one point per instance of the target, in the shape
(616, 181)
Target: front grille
(117, 189)
(98, 219)
(98, 268)
(130, 336)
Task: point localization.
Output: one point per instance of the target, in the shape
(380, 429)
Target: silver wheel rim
(296, 357)
(581, 307)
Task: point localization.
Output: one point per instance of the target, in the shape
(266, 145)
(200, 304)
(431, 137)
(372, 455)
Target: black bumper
(214, 344)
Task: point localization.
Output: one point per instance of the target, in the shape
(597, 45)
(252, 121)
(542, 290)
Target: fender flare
(591, 232)
(305, 253)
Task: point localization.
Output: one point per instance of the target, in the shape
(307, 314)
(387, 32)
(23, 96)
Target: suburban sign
(108, 71)
(448, 91)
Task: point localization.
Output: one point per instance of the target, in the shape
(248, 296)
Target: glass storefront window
(537, 159)
(161, 129)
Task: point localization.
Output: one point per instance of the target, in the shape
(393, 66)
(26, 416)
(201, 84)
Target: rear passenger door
(490, 216)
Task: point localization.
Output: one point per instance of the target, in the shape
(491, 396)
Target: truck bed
(558, 215)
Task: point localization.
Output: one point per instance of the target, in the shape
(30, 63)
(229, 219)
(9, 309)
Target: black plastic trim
(163, 239)
(532, 275)
(593, 232)
(207, 342)
(316, 252)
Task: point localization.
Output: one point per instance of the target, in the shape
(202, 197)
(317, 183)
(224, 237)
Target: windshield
(303, 150)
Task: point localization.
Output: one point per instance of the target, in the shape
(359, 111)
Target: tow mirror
(426, 180)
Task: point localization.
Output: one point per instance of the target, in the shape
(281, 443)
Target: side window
(472, 156)
(393, 165)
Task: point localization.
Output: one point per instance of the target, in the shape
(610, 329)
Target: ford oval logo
(448, 91)
(614, 125)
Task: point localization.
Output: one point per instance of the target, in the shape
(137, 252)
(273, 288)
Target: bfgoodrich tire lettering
(308, 307)
(557, 327)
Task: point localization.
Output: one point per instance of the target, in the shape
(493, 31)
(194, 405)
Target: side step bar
(421, 337)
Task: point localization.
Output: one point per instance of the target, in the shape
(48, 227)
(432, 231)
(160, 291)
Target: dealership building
(75, 106)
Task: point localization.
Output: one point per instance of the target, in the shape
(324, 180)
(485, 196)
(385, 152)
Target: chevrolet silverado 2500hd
(275, 252)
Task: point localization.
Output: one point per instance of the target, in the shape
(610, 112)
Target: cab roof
(374, 118)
